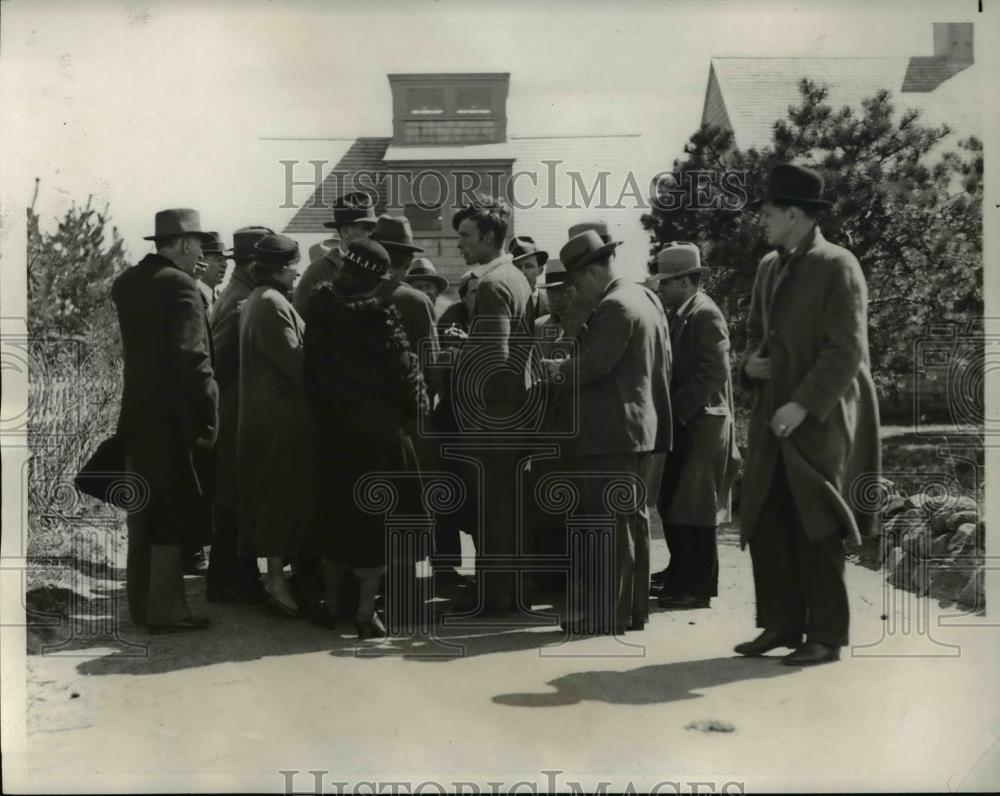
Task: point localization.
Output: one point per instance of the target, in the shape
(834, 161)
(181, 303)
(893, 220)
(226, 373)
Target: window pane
(426, 101)
(474, 101)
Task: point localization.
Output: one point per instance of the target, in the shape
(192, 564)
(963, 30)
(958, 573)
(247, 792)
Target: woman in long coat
(275, 446)
(367, 391)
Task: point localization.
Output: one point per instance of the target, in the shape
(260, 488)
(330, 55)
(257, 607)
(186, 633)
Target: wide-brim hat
(276, 249)
(524, 246)
(554, 275)
(794, 185)
(244, 240)
(352, 208)
(422, 268)
(393, 232)
(581, 250)
(677, 258)
(600, 227)
(213, 246)
(176, 222)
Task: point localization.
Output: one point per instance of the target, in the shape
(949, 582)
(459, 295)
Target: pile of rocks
(935, 546)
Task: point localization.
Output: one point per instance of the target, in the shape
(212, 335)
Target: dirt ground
(912, 706)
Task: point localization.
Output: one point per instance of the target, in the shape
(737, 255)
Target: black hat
(367, 257)
(276, 250)
(352, 208)
(394, 232)
(244, 239)
(554, 276)
(524, 246)
(176, 222)
(793, 185)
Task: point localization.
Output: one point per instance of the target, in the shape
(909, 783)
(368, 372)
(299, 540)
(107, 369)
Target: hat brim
(205, 236)
(543, 257)
(560, 283)
(657, 278)
(607, 248)
(792, 200)
(400, 247)
(437, 279)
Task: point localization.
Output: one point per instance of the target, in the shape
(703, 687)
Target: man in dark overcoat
(169, 418)
(231, 578)
(698, 473)
(498, 350)
(354, 220)
(622, 374)
(814, 425)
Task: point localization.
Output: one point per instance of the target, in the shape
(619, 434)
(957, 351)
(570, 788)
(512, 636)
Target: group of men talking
(569, 375)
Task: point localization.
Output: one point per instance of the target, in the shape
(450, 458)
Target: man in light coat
(814, 425)
(622, 374)
(698, 473)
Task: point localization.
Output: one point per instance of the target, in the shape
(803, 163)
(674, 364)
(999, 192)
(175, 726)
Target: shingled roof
(748, 95)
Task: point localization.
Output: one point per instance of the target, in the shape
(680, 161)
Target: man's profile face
(777, 223)
(529, 267)
(474, 249)
(188, 253)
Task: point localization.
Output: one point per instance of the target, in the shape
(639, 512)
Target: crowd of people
(258, 408)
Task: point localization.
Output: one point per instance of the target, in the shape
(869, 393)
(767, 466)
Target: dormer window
(426, 101)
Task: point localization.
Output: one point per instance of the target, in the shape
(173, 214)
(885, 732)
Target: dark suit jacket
(699, 472)
(417, 312)
(501, 338)
(622, 373)
(169, 412)
(812, 320)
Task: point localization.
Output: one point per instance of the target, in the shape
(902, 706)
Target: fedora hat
(524, 246)
(554, 276)
(677, 258)
(367, 258)
(794, 185)
(176, 222)
(213, 246)
(422, 268)
(393, 232)
(356, 207)
(600, 227)
(276, 249)
(244, 239)
(581, 250)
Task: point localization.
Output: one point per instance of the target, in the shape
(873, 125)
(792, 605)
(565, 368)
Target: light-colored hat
(677, 258)
(422, 268)
(581, 250)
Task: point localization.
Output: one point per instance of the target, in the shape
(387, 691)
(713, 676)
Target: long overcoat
(276, 442)
(699, 471)
(811, 319)
(169, 412)
(225, 322)
(367, 391)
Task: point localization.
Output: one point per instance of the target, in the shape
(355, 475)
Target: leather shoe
(185, 625)
(369, 627)
(658, 578)
(812, 653)
(683, 602)
(767, 641)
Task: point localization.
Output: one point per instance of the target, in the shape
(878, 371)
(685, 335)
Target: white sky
(153, 104)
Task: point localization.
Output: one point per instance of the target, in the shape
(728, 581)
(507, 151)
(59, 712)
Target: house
(450, 138)
(747, 95)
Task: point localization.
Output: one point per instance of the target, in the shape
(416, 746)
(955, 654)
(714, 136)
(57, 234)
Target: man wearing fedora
(530, 259)
(622, 373)
(211, 268)
(499, 348)
(354, 220)
(169, 418)
(424, 277)
(813, 427)
(698, 473)
(549, 330)
(414, 307)
(231, 578)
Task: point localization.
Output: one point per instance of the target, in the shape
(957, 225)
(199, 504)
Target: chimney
(953, 41)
